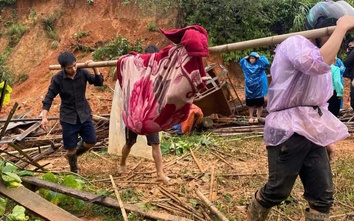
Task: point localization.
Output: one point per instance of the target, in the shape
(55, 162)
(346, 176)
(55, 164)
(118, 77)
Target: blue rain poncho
(336, 80)
(256, 83)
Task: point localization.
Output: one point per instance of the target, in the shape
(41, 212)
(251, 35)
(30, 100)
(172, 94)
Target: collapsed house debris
(25, 143)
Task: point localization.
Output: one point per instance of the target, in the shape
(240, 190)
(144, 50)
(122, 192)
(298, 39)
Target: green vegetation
(5, 72)
(49, 25)
(152, 27)
(81, 34)
(54, 45)
(4, 3)
(15, 33)
(117, 47)
(62, 199)
(32, 17)
(182, 144)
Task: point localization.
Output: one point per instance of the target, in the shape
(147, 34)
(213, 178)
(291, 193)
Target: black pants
(334, 104)
(298, 157)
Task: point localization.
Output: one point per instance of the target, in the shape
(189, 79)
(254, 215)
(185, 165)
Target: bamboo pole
(211, 183)
(124, 213)
(89, 65)
(211, 206)
(197, 162)
(260, 42)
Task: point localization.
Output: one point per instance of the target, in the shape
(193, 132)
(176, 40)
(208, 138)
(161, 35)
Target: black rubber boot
(255, 211)
(81, 149)
(72, 159)
(316, 216)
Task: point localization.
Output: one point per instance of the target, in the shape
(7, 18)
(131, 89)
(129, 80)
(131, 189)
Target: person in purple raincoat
(299, 130)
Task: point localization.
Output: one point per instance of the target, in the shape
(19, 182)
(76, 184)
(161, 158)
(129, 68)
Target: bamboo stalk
(211, 206)
(90, 65)
(26, 150)
(225, 161)
(124, 213)
(260, 42)
(102, 157)
(176, 199)
(197, 162)
(211, 183)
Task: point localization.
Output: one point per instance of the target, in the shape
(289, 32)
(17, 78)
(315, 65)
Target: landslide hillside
(28, 60)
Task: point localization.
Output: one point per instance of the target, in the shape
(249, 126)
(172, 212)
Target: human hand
(247, 57)
(44, 123)
(93, 68)
(331, 152)
(346, 22)
(88, 62)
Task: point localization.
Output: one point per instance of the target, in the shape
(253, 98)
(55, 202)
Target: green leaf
(25, 173)
(70, 181)
(50, 177)
(11, 179)
(3, 203)
(18, 214)
(165, 147)
(9, 167)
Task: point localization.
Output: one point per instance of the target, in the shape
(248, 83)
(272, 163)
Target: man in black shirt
(75, 111)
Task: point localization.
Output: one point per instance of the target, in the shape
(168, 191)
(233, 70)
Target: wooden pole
(90, 65)
(124, 213)
(211, 206)
(260, 42)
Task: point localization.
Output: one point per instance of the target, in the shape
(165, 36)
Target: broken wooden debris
(211, 206)
(109, 202)
(36, 204)
(12, 112)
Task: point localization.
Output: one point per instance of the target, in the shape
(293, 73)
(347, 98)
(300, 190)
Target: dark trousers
(334, 104)
(298, 157)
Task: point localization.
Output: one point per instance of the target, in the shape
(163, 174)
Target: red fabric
(158, 89)
(194, 38)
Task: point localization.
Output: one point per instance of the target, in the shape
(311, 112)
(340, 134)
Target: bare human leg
(125, 153)
(259, 113)
(157, 155)
(250, 114)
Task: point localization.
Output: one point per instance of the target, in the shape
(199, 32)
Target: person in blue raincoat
(256, 84)
(339, 63)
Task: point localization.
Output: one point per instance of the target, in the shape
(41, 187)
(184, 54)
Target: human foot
(165, 180)
(122, 169)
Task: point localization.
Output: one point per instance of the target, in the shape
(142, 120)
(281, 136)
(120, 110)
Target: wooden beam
(37, 204)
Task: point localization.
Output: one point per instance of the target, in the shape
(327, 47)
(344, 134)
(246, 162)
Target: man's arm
(53, 91)
(330, 49)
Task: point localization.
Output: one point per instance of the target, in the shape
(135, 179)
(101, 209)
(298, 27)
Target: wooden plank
(36, 203)
(29, 130)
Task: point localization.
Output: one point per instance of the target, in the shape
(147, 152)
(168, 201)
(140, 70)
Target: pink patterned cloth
(158, 89)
